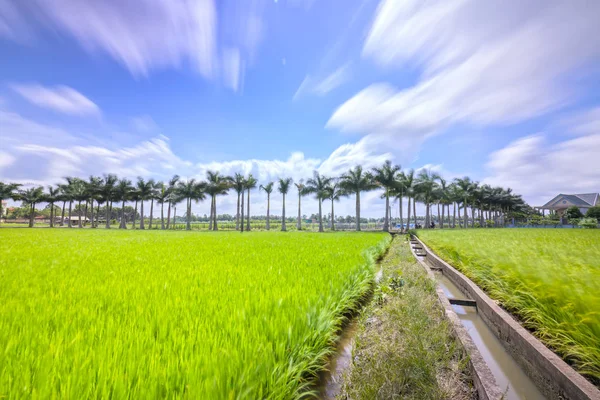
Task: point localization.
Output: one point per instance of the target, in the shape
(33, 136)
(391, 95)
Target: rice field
(131, 314)
(548, 278)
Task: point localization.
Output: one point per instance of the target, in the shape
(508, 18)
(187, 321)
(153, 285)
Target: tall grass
(549, 278)
(122, 314)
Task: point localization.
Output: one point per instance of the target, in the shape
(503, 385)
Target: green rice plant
(131, 314)
(548, 278)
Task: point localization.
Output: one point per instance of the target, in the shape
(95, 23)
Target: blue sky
(504, 91)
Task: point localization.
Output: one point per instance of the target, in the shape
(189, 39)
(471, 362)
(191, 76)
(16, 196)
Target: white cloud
(539, 169)
(58, 98)
(39, 154)
(321, 87)
(480, 65)
(147, 35)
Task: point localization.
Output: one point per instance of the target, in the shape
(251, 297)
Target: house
(560, 203)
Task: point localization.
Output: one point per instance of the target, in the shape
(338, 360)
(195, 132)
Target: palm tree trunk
(242, 213)
(142, 226)
(248, 205)
(169, 215)
(283, 227)
(215, 227)
(386, 221)
(92, 207)
(85, 213)
(320, 217)
(31, 215)
(108, 212)
(79, 212)
(459, 218)
(151, 211)
(454, 215)
(400, 206)
(299, 224)
(212, 213)
(175, 217)
(408, 216)
(465, 211)
(237, 215)
(415, 211)
(443, 216)
(51, 214)
(358, 210)
(473, 217)
(332, 216)
(188, 225)
(123, 224)
(70, 224)
(162, 215)
(62, 217)
(135, 213)
(268, 210)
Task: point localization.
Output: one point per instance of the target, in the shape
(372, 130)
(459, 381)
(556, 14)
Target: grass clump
(121, 314)
(405, 348)
(549, 278)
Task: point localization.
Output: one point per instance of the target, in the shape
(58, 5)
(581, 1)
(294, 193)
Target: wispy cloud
(540, 169)
(58, 98)
(147, 35)
(480, 66)
(321, 87)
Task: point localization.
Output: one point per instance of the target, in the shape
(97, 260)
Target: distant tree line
(100, 198)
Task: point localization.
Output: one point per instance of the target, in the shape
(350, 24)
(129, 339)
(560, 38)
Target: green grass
(548, 278)
(130, 314)
(405, 347)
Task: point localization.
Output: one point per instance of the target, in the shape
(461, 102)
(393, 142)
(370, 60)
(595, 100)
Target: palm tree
(398, 191)
(283, 188)
(318, 185)
(268, 188)
(237, 183)
(300, 186)
(191, 190)
(52, 197)
(216, 185)
(443, 198)
(465, 188)
(356, 181)
(30, 197)
(251, 183)
(7, 191)
(93, 186)
(172, 195)
(107, 193)
(162, 196)
(122, 192)
(153, 193)
(77, 190)
(426, 185)
(334, 193)
(143, 192)
(385, 176)
(408, 182)
(453, 197)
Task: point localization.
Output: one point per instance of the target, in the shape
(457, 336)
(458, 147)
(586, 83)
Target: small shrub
(489, 223)
(589, 223)
(573, 212)
(593, 212)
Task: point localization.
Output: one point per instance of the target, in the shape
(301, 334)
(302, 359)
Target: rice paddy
(130, 314)
(548, 278)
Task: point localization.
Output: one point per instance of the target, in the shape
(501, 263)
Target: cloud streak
(479, 66)
(61, 98)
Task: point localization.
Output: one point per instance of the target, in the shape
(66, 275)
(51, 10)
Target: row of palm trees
(483, 201)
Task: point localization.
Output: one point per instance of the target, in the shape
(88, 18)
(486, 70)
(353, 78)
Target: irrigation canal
(509, 375)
